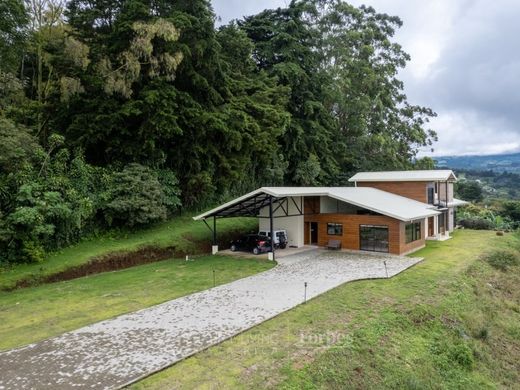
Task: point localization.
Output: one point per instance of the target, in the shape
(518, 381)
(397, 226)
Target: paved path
(119, 351)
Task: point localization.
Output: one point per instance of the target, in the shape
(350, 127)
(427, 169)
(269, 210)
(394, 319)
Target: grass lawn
(182, 232)
(451, 321)
(35, 313)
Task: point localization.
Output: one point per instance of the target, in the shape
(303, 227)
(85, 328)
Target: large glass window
(334, 229)
(413, 232)
(373, 238)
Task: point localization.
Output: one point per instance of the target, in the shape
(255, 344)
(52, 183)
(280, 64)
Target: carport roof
(372, 199)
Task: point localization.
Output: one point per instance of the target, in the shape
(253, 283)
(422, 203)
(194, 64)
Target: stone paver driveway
(119, 351)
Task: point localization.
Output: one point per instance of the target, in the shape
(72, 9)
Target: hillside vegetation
(452, 321)
(117, 113)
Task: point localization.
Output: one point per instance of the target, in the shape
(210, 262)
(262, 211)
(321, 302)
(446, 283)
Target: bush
(502, 259)
(135, 197)
(477, 223)
(482, 334)
(461, 354)
(449, 354)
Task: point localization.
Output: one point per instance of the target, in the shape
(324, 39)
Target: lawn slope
(182, 233)
(35, 313)
(451, 321)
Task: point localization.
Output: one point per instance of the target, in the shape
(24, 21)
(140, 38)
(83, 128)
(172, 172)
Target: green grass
(451, 321)
(180, 231)
(32, 314)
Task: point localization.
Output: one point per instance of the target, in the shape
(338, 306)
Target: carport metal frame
(251, 207)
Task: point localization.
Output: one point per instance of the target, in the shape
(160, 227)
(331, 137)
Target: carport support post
(214, 248)
(271, 226)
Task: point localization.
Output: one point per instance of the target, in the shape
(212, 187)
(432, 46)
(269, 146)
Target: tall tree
(285, 46)
(347, 105)
(383, 130)
(13, 24)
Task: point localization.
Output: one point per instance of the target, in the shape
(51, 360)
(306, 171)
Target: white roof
(428, 175)
(379, 201)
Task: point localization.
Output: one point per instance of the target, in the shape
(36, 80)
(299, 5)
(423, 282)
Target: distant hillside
(497, 163)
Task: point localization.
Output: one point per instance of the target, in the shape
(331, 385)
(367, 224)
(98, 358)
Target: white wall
(451, 219)
(294, 225)
(442, 191)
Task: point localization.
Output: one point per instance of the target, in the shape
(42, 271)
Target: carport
(252, 205)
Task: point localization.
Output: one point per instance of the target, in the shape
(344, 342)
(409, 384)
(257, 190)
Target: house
(434, 187)
(392, 212)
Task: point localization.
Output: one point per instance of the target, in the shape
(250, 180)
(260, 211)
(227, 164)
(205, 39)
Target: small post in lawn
(386, 269)
(214, 280)
(305, 292)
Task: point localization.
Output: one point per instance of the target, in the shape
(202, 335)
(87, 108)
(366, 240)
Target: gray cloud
(465, 65)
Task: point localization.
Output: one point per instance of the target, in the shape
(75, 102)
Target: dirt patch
(109, 262)
(121, 260)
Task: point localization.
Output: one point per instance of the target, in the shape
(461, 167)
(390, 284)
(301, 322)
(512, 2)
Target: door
(431, 227)
(442, 222)
(314, 233)
(373, 238)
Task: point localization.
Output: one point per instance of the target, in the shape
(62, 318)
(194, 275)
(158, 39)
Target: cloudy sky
(465, 66)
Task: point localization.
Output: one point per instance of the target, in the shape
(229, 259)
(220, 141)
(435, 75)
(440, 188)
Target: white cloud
(467, 133)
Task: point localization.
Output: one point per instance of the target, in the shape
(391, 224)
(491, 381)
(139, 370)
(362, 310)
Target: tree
(381, 128)
(469, 190)
(17, 146)
(347, 105)
(285, 46)
(511, 210)
(13, 25)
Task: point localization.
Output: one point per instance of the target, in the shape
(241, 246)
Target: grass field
(451, 321)
(182, 232)
(36, 313)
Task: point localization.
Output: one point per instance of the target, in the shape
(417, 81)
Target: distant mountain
(496, 163)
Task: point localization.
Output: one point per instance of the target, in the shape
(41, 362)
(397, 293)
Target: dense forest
(115, 113)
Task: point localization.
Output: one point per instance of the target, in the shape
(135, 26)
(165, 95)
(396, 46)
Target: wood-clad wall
(414, 245)
(410, 189)
(350, 238)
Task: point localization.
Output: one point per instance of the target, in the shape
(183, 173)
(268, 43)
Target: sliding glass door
(373, 238)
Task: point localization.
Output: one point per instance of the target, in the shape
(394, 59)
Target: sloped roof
(379, 201)
(427, 175)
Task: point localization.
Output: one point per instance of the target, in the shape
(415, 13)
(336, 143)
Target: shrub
(135, 197)
(482, 334)
(502, 259)
(33, 252)
(461, 354)
(477, 223)
(447, 354)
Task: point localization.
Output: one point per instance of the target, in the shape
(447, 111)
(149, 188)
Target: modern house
(391, 212)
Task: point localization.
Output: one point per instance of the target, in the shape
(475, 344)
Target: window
(334, 229)
(413, 232)
(373, 238)
(430, 195)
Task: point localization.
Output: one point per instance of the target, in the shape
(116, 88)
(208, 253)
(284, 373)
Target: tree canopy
(116, 112)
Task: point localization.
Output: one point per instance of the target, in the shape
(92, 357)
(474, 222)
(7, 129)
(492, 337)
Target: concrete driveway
(119, 351)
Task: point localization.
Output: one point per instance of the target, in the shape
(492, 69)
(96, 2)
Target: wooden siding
(414, 245)
(311, 205)
(410, 189)
(351, 223)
